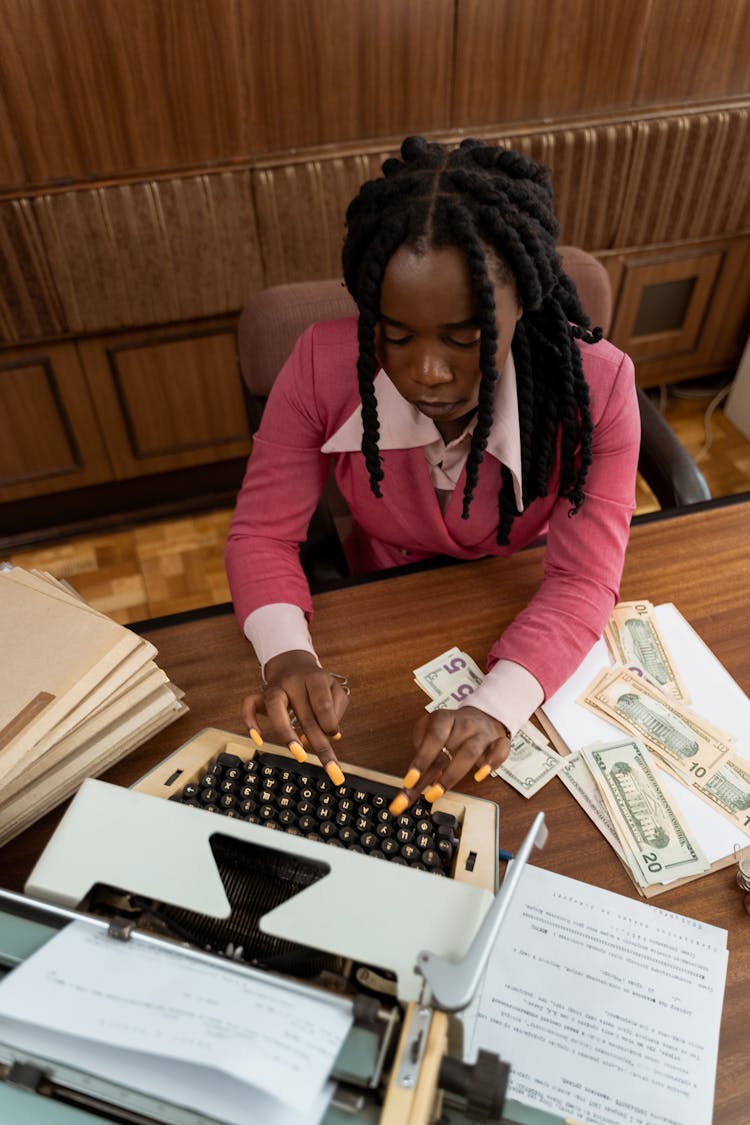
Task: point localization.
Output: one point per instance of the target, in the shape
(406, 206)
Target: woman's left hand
(450, 744)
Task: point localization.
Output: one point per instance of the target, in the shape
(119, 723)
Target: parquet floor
(176, 565)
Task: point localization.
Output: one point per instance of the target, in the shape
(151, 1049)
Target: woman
(467, 411)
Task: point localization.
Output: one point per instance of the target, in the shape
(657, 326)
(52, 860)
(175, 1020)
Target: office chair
(273, 319)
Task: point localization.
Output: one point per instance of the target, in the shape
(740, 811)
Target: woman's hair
(481, 198)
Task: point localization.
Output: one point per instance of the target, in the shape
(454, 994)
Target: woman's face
(427, 337)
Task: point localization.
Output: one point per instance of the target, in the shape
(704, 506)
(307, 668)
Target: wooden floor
(176, 565)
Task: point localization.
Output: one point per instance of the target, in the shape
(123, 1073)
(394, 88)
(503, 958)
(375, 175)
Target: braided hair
(496, 207)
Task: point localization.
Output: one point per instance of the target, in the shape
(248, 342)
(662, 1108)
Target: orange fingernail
(411, 779)
(256, 736)
(333, 769)
(482, 773)
(303, 740)
(398, 804)
(297, 751)
(337, 736)
(434, 793)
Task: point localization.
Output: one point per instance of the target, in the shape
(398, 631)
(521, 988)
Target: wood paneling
(694, 50)
(29, 306)
(689, 178)
(101, 88)
(152, 252)
(327, 71)
(50, 436)
(538, 59)
(169, 400)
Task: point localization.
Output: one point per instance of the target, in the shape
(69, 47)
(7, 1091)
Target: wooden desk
(379, 631)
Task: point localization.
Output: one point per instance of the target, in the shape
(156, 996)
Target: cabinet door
(49, 435)
(168, 399)
(680, 311)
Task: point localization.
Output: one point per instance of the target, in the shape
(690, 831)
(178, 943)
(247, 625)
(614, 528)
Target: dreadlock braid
(496, 207)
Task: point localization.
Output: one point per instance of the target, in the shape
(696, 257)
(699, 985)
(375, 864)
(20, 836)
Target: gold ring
(445, 750)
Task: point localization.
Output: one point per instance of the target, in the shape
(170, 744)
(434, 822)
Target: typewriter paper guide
(378, 913)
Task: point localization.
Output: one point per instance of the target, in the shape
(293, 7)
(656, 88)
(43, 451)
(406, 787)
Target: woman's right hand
(296, 683)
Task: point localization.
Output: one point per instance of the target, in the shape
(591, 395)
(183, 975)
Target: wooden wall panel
(535, 59)
(301, 213)
(330, 71)
(695, 51)
(50, 437)
(152, 252)
(111, 86)
(689, 178)
(29, 307)
(168, 399)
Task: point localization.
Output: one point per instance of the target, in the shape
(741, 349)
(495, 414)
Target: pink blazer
(316, 392)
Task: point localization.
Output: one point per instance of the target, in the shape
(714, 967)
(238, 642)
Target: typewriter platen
(331, 917)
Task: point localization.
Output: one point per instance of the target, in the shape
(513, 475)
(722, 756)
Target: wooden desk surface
(377, 632)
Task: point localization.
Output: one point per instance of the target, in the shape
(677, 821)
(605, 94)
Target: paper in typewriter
(224, 1041)
(608, 1009)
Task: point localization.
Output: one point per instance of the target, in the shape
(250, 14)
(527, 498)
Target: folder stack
(77, 693)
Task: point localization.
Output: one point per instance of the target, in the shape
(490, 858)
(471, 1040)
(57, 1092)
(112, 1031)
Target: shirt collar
(403, 427)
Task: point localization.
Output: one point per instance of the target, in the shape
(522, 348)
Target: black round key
(305, 808)
(327, 801)
(190, 790)
(286, 776)
(210, 808)
(284, 803)
(383, 816)
(227, 801)
(369, 840)
(292, 830)
(431, 858)
(366, 810)
(209, 781)
(247, 806)
(270, 824)
(384, 831)
(229, 786)
(253, 818)
(404, 821)
(307, 823)
(343, 818)
(265, 797)
(357, 848)
(267, 812)
(334, 842)
(446, 849)
(328, 830)
(208, 795)
(360, 796)
(410, 853)
(424, 824)
(378, 801)
(425, 841)
(252, 769)
(362, 824)
(343, 791)
(191, 801)
(314, 836)
(389, 846)
(270, 783)
(398, 859)
(233, 813)
(348, 836)
(289, 789)
(378, 855)
(287, 818)
(307, 793)
(439, 817)
(233, 774)
(404, 836)
(323, 813)
(436, 871)
(247, 791)
(305, 781)
(346, 804)
(419, 811)
(324, 785)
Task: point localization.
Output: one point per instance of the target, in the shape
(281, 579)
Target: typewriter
(254, 859)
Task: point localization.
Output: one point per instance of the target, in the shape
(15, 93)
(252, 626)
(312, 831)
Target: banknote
(636, 641)
(531, 763)
(690, 744)
(646, 823)
(579, 780)
(452, 675)
(729, 791)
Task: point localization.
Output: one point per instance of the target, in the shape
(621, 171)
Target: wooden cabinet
(117, 408)
(51, 441)
(168, 399)
(679, 312)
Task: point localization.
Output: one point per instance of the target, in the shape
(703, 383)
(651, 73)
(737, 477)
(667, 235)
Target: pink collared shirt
(509, 692)
(315, 402)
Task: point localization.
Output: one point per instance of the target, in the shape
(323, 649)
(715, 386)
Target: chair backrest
(274, 318)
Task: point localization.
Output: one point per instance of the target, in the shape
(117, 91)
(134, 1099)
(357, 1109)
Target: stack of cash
(450, 678)
(647, 700)
(617, 786)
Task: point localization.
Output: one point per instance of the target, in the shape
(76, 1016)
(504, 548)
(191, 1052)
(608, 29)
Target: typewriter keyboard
(300, 798)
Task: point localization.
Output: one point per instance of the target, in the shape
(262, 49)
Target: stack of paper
(78, 692)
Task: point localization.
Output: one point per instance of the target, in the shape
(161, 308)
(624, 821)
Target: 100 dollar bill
(647, 825)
